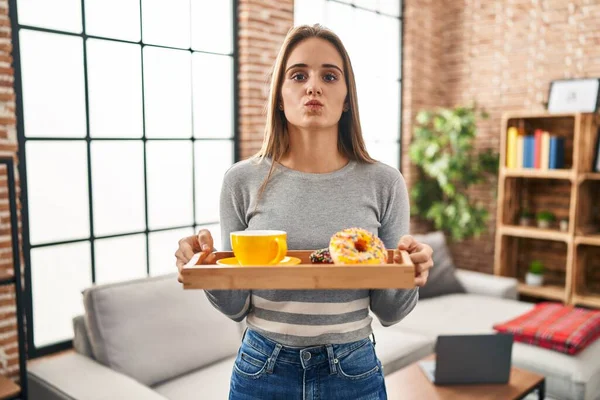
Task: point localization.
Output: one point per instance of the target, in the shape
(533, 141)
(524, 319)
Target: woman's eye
(330, 77)
(298, 76)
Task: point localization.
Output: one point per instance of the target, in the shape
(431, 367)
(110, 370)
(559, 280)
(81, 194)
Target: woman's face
(314, 88)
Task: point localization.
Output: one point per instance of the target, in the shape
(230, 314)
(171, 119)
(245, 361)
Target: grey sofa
(149, 339)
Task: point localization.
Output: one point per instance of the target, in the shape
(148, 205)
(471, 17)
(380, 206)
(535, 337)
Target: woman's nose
(312, 89)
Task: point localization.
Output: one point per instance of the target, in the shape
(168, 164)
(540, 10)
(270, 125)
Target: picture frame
(574, 95)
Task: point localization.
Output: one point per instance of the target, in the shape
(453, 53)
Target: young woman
(312, 178)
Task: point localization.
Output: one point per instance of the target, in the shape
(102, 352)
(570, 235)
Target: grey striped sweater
(311, 208)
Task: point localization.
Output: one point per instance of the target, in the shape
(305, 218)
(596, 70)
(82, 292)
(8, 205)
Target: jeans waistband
(304, 356)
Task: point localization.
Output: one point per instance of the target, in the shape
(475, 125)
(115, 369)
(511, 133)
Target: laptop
(470, 359)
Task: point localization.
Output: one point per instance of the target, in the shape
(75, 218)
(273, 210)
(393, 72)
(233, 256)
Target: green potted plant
(545, 219)
(535, 274)
(449, 165)
(526, 217)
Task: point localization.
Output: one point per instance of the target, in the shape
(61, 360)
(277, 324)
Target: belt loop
(273, 358)
(374, 341)
(244, 334)
(332, 359)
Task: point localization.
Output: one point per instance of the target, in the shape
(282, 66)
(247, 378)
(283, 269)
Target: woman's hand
(188, 246)
(420, 255)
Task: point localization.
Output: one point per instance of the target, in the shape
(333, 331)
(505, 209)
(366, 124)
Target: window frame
(33, 351)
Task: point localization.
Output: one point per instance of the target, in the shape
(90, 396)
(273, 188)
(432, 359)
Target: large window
(371, 31)
(126, 126)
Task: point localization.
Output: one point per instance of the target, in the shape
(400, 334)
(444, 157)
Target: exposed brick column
(422, 74)
(9, 355)
(263, 25)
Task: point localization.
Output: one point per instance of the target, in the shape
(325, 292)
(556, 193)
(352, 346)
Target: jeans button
(306, 356)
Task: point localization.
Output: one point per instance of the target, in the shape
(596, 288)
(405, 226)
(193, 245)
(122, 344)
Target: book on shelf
(557, 152)
(540, 150)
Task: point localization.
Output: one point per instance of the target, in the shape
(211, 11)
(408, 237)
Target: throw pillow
(442, 279)
(554, 326)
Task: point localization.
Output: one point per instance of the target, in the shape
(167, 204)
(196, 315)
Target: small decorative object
(564, 225)
(574, 95)
(526, 218)
(544, 219)
(535, 275)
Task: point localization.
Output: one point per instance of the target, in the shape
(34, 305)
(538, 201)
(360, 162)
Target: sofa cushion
(567, 377)
(397, 349)
(74, 376)
(153, 330)
(211, 382)
(460, 314)
(81, 339)
(442, 279)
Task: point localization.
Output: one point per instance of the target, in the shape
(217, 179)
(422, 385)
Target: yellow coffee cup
(259, 247)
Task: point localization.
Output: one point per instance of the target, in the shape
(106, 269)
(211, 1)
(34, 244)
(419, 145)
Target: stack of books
(540, 150)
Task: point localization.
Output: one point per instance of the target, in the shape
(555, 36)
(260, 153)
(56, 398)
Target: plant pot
(543, 224)
(525, 221)
(564, 225)
(534, 279)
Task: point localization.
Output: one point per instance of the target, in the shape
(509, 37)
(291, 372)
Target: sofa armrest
(489, 285)
(75, 376)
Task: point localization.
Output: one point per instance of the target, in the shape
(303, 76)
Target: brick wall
(9, 357)
(501, 53)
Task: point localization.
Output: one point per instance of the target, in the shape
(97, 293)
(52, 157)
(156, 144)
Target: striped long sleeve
(235, 304)
(392, 305)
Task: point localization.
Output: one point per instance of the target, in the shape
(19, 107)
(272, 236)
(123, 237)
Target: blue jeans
(266, 370)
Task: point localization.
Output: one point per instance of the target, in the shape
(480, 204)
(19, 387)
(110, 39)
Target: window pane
(386, 152)
(215, 232)
(166, 25)
(309, 12)
(56, 90)
(366, 52)
(118, 187)
(170, 200)
(163, 246)
(367, 4)
(213, 96)
(120, 259)
(391, 7)
(212, 26)
(115, 89)
(341, 19)
(213, 159)
(388, 56)
(58, 275)
(64, 15)
(370, 117)
(57, 185)
(119, 19)
(379, 105)
(168, 94)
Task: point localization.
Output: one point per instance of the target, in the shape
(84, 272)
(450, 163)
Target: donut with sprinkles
(357, 246)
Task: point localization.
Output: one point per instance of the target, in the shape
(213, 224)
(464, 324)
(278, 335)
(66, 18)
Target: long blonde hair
(276, 139)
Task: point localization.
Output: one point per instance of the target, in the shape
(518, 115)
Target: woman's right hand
(188, 246)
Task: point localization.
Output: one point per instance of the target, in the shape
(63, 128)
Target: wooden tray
(301, 276)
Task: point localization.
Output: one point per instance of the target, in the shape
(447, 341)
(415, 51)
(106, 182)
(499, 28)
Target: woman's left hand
(420, 255)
